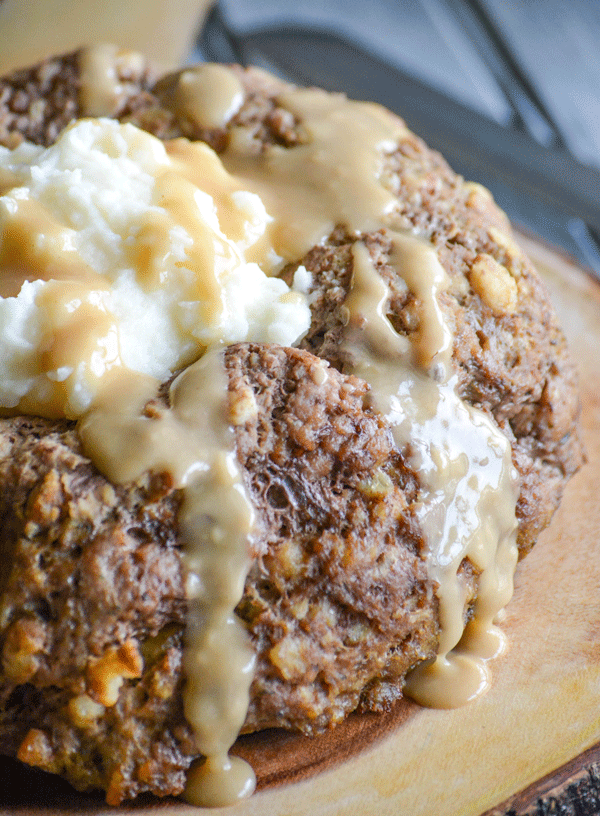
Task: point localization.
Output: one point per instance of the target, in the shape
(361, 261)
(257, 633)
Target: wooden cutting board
(531, 745)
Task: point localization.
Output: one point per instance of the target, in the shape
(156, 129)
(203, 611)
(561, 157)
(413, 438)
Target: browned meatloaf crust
(337, 603)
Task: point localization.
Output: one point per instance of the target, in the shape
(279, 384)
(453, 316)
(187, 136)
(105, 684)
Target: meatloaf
(338, 603)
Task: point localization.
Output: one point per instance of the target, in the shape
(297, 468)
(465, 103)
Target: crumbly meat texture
(95, 588)
(510, 355)
(338, 603)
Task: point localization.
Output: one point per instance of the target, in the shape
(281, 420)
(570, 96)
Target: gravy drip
(193, 442)
(194, 95)
(466, 506)
(100, 90)
(50, 257)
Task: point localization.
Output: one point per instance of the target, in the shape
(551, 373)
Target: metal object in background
(498, 131)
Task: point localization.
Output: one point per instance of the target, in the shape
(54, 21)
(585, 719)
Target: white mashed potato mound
(99, 184)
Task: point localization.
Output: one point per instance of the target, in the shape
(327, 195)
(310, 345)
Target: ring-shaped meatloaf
(338, 603)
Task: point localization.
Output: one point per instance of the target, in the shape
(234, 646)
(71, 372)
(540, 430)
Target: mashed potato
(124, 256)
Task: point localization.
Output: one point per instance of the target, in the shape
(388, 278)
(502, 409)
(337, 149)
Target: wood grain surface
(574, 788)
(531, 746)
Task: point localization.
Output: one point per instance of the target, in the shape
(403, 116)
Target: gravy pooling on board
(468, 490)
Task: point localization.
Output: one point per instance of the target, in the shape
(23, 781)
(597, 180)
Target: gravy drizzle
(466, 508)
(100, 87)
(468, 486)
(192, 440)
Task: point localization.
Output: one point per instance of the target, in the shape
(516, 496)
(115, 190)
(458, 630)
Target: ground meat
(512, 363)
(337, 603)
(36, 103)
